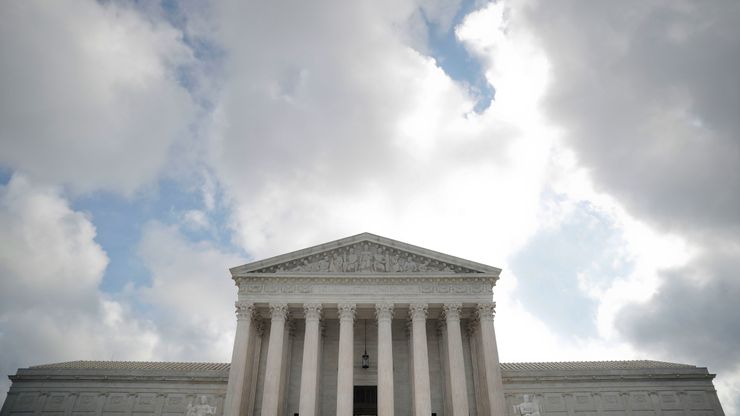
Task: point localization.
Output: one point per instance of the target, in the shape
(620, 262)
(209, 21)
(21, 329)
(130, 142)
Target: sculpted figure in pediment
(304, 266)
(323, 263)
(353, 261)
(393, 265)
(337, 263)
(410, 265)
(379, 261)
(366, 259)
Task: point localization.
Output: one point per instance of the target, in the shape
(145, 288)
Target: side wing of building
(610, 388)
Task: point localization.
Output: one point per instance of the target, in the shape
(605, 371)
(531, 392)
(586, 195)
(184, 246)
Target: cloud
(695, 317)
(337, 121)
(701, 296)
(190, 295)
(50, 268)
(646, 96)
(91, 96)
(647, 92)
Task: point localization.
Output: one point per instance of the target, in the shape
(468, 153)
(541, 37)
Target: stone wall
(70, 392)
(677, 391)
(172, 389)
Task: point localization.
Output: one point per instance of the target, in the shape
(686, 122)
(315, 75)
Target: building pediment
(364, 254)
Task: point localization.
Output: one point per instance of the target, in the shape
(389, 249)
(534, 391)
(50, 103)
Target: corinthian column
(422, 392)
(459, 390)
(492, 369)
(345, 381)
(239, 373)
(273, 372)
(309, 371)
(384, 314)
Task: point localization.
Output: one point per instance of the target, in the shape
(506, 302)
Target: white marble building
(364, 326)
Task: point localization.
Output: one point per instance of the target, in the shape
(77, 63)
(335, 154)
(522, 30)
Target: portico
(305, 318)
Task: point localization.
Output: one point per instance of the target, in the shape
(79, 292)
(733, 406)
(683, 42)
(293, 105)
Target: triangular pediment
(364, 253)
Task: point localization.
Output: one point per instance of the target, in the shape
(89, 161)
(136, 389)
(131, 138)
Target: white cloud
(90, 96)
(190, 296)
(50, 268)
(195, 219)
(336, 126)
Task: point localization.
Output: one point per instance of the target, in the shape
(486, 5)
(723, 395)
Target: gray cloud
(693, 318)
(648, 95)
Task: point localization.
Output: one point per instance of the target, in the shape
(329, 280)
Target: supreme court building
(364, 325)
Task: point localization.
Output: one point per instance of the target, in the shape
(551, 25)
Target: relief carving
(86, 402)
(527, 407)
(200, 409)
(365, 257)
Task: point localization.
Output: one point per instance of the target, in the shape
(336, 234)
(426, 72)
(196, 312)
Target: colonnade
(488, 389)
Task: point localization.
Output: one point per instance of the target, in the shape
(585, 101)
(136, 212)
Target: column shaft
(273, 372)
(457, 363)
(384, 314)
(258, 334)
(310, 366)
(492, 369)
(479, 370)
(345, 373)
(422, 391)
(239, 375)
(445, 364)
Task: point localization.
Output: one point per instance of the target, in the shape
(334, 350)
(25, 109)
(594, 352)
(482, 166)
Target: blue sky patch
(456, 61)
(548, 266)
(119, 224)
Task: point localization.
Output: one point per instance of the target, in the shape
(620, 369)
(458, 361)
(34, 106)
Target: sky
(589, 149)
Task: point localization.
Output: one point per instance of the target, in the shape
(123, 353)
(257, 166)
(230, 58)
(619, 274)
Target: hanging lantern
(365, 357)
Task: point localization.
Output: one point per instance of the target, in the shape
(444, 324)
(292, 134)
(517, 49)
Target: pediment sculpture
(365, 257)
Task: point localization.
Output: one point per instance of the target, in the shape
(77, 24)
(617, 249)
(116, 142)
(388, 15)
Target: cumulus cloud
(50, 268)
(190, 296)
(91, 97)
(331, 124)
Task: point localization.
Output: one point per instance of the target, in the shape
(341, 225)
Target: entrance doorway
(366, 401)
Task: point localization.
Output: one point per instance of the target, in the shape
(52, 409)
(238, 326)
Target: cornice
(365, 278)
(253, 267)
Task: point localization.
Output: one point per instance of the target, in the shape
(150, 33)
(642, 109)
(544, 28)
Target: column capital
(452, 311)
(418, 311)
(346, 311)
(244, 310)
(383, 311)
(486, 311)
(312, 311)
(279, 311)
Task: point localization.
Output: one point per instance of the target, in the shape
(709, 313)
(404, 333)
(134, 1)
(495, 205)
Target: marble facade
(304, 319)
